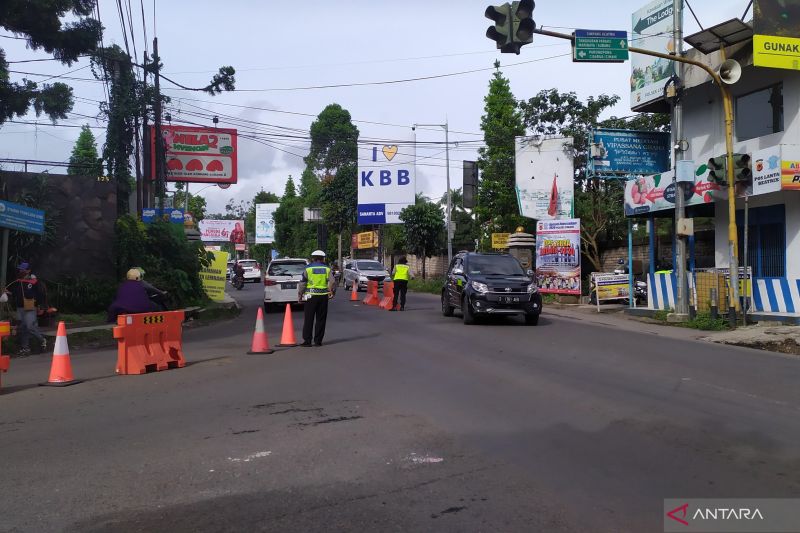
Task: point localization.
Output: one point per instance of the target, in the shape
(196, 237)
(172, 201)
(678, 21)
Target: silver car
(359, 271)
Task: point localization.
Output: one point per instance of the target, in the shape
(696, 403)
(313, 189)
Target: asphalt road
(400, 422)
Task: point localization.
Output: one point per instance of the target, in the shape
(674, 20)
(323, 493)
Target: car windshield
(494, 265)
(370, 265)
(294, 268)
(248, 264)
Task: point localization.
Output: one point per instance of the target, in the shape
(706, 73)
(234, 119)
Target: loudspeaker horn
(730, 72)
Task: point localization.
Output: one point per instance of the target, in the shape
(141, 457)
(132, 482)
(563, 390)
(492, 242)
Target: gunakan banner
(558, 256)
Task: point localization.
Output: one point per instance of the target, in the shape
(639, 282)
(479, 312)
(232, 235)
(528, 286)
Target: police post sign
(386, 181)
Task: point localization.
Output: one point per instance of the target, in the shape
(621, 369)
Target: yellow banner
(776, 52)
(213, 276)
(500, 240)
(367, 239)
(790, 174)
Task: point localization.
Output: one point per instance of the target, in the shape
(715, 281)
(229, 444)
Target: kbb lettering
(385, 178)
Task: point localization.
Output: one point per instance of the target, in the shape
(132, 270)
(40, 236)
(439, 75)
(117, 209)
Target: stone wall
(83, 211)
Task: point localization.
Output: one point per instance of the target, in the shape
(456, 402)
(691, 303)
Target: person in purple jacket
(131, 297)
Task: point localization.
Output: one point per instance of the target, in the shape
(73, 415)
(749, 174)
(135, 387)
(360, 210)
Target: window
(283, 268)
(766, 241)
(494, 265)
(759, 113)
(369, 265)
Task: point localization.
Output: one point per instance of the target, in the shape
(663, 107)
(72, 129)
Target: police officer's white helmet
(318, 253)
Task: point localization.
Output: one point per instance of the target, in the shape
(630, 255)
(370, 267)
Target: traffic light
(513, 26)
(716, 170)
(741, 168)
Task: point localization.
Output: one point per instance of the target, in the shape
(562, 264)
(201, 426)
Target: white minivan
(280, 282)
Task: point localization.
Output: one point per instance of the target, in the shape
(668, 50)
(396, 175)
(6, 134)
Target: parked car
(280, 281)
(252, 270)
(490, 284)
(359, 271)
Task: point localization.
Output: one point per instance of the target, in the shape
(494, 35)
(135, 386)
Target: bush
(430, 285)
(80, 295)
(704, 322)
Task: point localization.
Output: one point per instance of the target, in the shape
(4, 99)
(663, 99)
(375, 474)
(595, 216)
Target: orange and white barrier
(388, 295)
(149, 342)
(372, 294)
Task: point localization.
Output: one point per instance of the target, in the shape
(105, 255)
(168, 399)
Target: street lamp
(449, 194)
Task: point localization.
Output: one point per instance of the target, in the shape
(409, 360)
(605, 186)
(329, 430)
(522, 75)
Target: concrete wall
(84, 212)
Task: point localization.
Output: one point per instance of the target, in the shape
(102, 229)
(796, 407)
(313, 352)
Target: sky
(279, 49)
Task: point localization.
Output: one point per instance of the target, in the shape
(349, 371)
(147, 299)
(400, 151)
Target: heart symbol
(194, 165)
(175, 164)
(214, 166)
(390, 151)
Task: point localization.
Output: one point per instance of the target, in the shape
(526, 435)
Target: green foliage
(293, 237)
(703, 321)
(39, 21)
(197, 204)
(430, 286)
(496, 203)
(30, 247)
(84, 160)
(81, 294)
(424, 229)
(171, 262)
(661, 315)
(467, 229)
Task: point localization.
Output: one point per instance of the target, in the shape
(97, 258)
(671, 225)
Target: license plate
(290, 285)
(509, 299)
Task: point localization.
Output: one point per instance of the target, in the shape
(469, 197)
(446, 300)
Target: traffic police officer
(402, 273)
(315, 288)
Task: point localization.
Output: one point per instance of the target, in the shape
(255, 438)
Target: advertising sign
(558, 256)
(610, 286)
(790, 175)
(386, 181)
(629, 151)
(652, 30)
(544, 177)
(600, 46)
(500, 240)
(766, 170)
(197, 155)
(213, 276)
(366, 239)
(776, 24)
(265, 224)
(172, 215)
(21, 218)
(222, 231)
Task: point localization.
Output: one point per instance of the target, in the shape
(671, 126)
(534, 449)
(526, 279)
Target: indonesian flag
(552, 210)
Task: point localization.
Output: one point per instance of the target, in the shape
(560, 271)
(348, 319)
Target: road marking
(423, 459)
(249, 458)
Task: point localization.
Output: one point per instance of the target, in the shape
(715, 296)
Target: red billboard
(197, 155)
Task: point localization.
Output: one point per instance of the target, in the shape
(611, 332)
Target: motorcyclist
(155, 294)
(238, 273)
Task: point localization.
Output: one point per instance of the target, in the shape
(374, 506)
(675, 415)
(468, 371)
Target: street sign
(600, 46)
(21, 218)
(500, 240)
(627, 152)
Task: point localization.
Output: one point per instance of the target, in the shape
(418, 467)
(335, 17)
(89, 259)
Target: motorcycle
(238, 282)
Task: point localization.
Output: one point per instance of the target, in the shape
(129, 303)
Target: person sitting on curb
(131, 297)
(27, 296)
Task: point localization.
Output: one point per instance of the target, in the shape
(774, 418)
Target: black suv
(490, 284)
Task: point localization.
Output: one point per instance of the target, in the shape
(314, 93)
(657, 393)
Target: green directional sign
(600, 46)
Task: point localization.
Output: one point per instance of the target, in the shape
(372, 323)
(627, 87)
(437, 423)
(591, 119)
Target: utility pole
(682, 300)
(159, 147)
(449, 193)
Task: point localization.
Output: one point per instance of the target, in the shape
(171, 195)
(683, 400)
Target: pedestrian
(315, 289)
(27, 295)
(400, 275)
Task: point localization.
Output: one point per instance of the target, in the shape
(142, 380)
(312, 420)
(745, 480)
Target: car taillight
(270, 282)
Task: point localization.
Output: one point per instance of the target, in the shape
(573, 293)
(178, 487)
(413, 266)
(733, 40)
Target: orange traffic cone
(61, 369)
(354, 294)
(260, 341)
(287, 336)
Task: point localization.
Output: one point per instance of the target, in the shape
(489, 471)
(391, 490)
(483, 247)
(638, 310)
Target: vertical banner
(544, 177)
(213, 276)
(386, 181)
(558, 256)
(265, 224)
(653, 28)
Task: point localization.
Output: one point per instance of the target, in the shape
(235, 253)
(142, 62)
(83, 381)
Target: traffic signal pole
(727, 105)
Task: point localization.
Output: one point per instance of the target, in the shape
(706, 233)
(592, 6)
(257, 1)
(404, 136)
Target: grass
(430, 285)
(702, 321)
(78, 320)
(549, 298)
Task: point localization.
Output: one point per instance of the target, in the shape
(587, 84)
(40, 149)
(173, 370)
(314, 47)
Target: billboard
(558, 256)
(213, 276)
(365, 240)
(212, 230)
(544, 177)
(653, 28)
(197, 155)
(776, 43)
(500, 240)
(386, 181)
(629, 152)
(265, 224)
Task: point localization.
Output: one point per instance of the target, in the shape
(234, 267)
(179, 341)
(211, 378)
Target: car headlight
(533, 288)
(480, 287)
(362, 278)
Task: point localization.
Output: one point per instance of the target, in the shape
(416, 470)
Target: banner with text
(386, 181)
(776, 43)
(212, 230)
(652, 30)
(265, 223)
(213, 276)
(558, 256)
(197, 155)
(544, 177)
(629, 152)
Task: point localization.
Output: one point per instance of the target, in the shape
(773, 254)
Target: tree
(466, 228)
(288, 220)
(333, 157)
(84, 160)
(496, 205)
(598, 203)
(39, 21)
(424, 228)
(197, 203)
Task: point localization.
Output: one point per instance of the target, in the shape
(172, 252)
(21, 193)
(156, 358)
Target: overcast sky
(289, 45)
